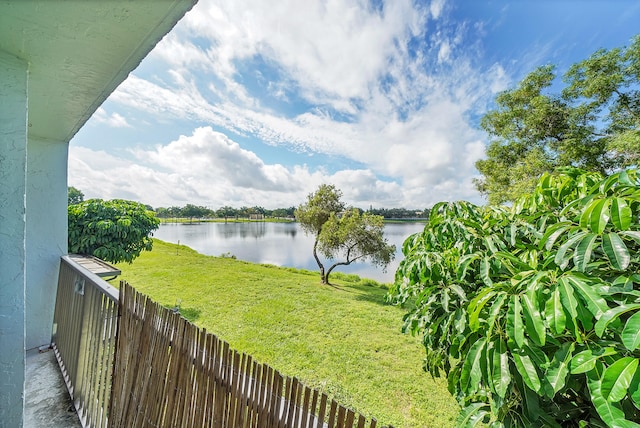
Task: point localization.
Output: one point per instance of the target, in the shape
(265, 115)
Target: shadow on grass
(191, 314)
(367, 290)
(369, 293)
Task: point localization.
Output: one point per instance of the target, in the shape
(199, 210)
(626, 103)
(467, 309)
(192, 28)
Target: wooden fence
(169, 373)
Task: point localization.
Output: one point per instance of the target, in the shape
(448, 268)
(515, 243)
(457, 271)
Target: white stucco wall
(46, 239)
(13, 156)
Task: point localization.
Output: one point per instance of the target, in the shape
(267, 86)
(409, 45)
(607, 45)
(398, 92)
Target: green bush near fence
(343, 340)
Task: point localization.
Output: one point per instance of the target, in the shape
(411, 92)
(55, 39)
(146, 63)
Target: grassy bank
(342, 339)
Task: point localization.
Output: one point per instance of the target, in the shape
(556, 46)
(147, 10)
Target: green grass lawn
(342, 339)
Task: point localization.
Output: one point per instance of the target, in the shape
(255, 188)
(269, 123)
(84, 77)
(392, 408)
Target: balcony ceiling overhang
(79, 52)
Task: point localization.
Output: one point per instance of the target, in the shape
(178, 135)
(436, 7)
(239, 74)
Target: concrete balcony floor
(47, 401)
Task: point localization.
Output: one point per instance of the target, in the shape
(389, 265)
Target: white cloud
(206, 168)
(212, 156)
(332, 49)
(114, 120)
(436, 8)
(408, 109)
(102, 175)
(444, 53)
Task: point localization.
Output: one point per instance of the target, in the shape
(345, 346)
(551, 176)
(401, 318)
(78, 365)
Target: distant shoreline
(182, 220)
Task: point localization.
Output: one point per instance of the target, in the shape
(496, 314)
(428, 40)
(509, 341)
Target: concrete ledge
(47, 401)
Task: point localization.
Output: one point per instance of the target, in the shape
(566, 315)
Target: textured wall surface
(13, 155)
(46, 234)
(59, 61)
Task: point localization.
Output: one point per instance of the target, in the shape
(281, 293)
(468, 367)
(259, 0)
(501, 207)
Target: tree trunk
(323, 277)
(331, 270)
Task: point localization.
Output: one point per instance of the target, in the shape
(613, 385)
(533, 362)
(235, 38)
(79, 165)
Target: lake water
(281, 244)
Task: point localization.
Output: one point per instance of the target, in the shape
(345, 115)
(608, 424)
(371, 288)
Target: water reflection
(282, 244)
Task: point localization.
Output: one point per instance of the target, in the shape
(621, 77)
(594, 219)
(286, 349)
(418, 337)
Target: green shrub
(533, 310)
(115, 230)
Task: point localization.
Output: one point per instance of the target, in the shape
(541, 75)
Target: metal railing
(168, 372)
(84, 338)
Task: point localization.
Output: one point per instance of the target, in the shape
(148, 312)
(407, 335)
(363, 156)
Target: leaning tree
(343, 235)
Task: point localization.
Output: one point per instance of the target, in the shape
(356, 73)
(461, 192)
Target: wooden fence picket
(169, 373)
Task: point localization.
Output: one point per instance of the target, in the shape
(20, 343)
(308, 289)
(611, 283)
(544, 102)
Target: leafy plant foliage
(115, 230)
(593, 123)
(74, 195)
(533, 310)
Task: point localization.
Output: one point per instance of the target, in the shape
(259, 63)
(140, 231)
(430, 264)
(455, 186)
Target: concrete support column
(13, 159)
(46, 238)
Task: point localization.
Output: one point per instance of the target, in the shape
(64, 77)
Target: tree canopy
(192, 211)
(352, 236)
(592, 123)
(74, 196)
(532, 311)
(115, 230)
(343, 235)
(227, 212)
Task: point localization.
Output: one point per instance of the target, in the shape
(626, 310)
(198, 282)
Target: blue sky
(248, 102)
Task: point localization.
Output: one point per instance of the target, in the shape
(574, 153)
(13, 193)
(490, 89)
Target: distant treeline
(194, 211)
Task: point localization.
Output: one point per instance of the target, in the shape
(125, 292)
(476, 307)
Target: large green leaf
(558, 370)
(582, 253)
(527, 370)
(620, 214)
(634, 389)
(622, 284)
(585, 361)
(458, 291)
(494, 311)
(586, 213)
(531, 401)
(627, 177)
(500, 374)
(633, 234)
(472, 415)
(552, 233)
(596, 304)
(472, 369)
(463, 265)
(490, 245)
(599, 216)
(515, 325)
(575, 205)
(616, 251)
(562, 258)
(613, 314)
(485, 271)
(631, 332)
(568, 298)
(608, 411)
(624, 423)
(553, 311)
(533, 320)
(617, 378)
(608, 183)
(475, 307)
(516, 264)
